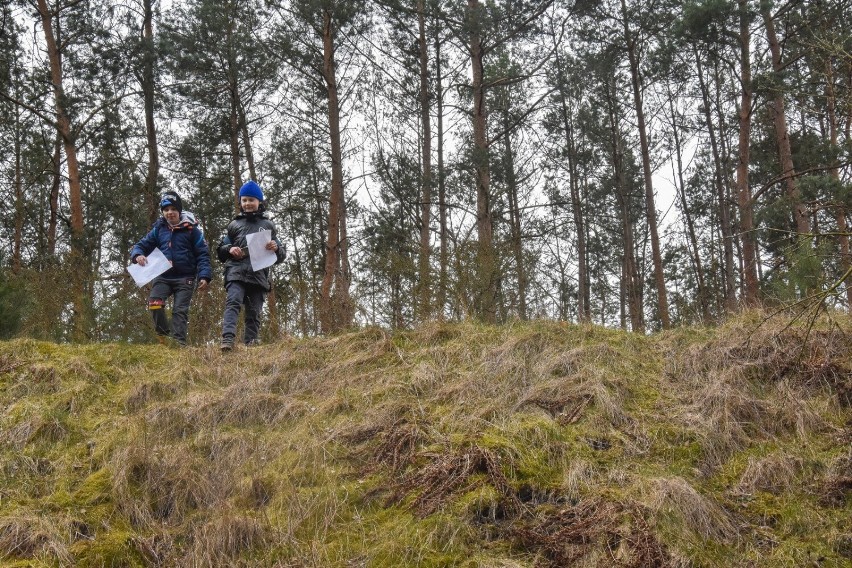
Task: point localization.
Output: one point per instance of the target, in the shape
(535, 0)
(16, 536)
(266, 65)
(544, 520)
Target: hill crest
(534, 444)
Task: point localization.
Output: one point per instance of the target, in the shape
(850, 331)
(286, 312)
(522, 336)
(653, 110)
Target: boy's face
(171, 213)
(249, 204)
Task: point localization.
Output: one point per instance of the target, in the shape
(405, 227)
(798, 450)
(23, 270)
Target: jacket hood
(187, 221)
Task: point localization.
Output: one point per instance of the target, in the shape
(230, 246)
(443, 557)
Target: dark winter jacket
(240, 270)
(183, 245)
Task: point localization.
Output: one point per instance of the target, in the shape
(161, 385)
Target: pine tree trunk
(486, 257)
(56, 172)
(235, 143)
(18, 236)
(443, 255)
(650, 207)
(834, 172)
(631, 283)
(514, 216)
(746, 207)
(425, 269)
(334, 307)
(583, 298)
(78, 264)
(782, 134)
(148, 93)
(247, 142)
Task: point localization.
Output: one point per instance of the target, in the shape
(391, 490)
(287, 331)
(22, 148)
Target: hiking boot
(227, 345)
(253, 343)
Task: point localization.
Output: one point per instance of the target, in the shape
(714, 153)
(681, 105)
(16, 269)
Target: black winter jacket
(183, 245)
(243, 225)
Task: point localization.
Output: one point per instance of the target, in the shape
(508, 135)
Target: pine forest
(635, 164)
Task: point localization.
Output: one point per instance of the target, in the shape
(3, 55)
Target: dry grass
(445, 475)
(749, 384)
(536, 444)
(836, 488)
(32, 537)
(593, 533)
(222, 540)
(160, 485)
(694, 511)
(45, 428)
(395, 440)
(775, 473)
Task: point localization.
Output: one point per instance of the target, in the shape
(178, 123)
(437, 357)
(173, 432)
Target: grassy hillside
(529, 445)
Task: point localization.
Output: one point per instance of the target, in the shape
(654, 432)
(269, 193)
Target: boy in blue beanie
(180, 239)
(245, 286)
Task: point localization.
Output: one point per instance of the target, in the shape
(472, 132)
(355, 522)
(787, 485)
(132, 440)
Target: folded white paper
(260, 256)
(156, 265)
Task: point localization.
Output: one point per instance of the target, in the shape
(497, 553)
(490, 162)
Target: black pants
(182, 289)
(239, 294)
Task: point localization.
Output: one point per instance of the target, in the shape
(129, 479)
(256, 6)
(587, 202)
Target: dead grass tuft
(837, 491)
(730, 413)
(697, 513)
(220, 541)
(836, 488)
(81, 369)
(565, 409)
(398, 445)
(579, 477)
(35, 428)
(244, 403)
(160, 484)
(446, 475)
(260, 491)
(36, 379)
(566, 400)
(813, 358)
(571, 382)
(240, 408)
(168, 422)
(774, 474)
(726, 416)
(9, 362)
(27, 537)
(156, 548)
(143, 394)
(437, 333)
(26, 466)
(566, 536)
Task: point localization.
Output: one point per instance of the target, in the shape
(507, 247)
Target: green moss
(462, 385)
(675, 448)
(115, 549)
(95, 489)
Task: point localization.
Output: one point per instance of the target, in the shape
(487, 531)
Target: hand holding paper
(156, 265)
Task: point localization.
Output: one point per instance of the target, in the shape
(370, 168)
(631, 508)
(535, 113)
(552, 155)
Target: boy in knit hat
(180, 239)
(244, 285)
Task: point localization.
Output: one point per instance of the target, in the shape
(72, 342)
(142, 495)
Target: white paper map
(259, 255)
(156, 265)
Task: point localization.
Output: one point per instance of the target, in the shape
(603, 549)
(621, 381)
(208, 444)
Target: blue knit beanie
(173, 199)
(251, 189)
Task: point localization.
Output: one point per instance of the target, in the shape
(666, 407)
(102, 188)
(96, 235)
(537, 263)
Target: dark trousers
(242, 294)
(161, 289)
